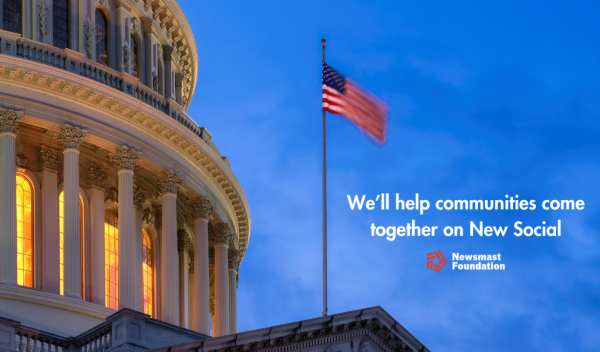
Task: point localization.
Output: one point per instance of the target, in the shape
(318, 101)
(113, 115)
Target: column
(169, 85)
(183, 247)
(234, 263)
(191, 290)
(221, 242)
(8, 195)
(201, 209)
(49, 160)
(168, 184)
(70, 137)
(139, 197)
(125, 159)
(96, 178)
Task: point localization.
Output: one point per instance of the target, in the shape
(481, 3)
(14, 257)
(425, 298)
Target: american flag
(343, 97)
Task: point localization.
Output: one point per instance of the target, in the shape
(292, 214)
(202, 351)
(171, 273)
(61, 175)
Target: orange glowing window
(61, 215)
(148, 273)
(111, 258)
(24, 233)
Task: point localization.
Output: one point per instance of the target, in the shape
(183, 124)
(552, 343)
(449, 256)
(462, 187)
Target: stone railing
(77, 63)
(136, 331)
(22, 338)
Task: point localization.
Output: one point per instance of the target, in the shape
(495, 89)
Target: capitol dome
(112, 197)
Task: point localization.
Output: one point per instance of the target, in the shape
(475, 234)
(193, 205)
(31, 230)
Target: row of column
(130, 213)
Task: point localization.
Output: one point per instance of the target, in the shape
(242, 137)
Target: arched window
(111, 258)
(101, 38)
(12, 15)
(24, 232)
(61, 216)
(148, 273)
(60, 23)
(135, 57)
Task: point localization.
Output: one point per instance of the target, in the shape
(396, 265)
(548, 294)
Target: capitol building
(122, 227)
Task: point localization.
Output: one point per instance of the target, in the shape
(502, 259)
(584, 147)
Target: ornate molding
(70, 136)
(9, 120)
(202, 151)
(96, 176)
(184, 243)
(200, 207)
(149, 217)
(49, 158)
(89, 36)
(111, 216)
(233, 258)
(158, 221)
(125, 158)
(222, 233)
(139, 197)
(135, 24)
(168, 182)
(155, 81)
(43, 13)
(21, 161)
(113, 195)
(126, 57)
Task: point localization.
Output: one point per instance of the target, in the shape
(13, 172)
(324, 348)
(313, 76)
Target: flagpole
(324, 204)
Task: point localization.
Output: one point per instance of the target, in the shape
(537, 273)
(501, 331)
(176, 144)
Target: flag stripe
(343, 97)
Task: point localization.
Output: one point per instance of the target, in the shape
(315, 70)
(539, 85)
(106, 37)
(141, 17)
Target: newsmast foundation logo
(436, 261)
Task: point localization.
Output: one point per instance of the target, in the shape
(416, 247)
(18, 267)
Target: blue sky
(486, 99)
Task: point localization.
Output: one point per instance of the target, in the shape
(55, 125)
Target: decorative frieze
(125, 158)
(139, 196)
(222, 233)
(200, 207)
(168, 182)
(9, 120)
(70, 136)
(233, 258)
(49, 158)
(96, 176)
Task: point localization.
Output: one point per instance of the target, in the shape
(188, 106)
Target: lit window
(148, 273)
(111, 257)
(101, 38)
(24, 233)
(12, 15)
(61, 212)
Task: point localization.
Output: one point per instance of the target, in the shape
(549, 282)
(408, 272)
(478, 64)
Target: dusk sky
(486, 99)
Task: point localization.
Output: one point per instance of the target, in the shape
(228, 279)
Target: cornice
(107, 100)
(385, 338)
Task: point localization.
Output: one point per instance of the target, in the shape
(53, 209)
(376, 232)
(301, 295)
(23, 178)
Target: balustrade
(48, 55)
(32, 340)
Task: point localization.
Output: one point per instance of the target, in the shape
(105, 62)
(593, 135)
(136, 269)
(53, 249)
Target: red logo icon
(441, 261)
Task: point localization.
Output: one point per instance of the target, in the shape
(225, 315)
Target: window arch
(61, 215)
(135, 50)
(111, 257)
(12, 13)
(101, 38)
(24, 232)
(148, 272)
(60, 23)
